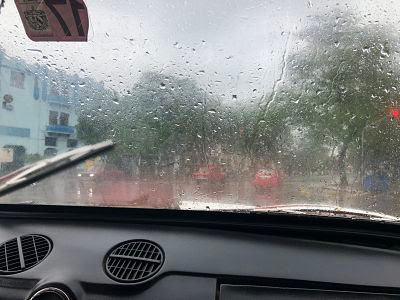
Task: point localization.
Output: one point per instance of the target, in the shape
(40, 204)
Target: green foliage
(166, 119)
(342, 78)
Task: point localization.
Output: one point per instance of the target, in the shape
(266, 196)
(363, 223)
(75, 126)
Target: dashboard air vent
(134, 261)
(23, 253)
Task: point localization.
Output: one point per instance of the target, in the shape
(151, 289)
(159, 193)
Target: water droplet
(35, 50)
(199, 136)
(366, 49)
(155, 118)
(212, 111)
(384, 51)
(162, 85)
(234, 97)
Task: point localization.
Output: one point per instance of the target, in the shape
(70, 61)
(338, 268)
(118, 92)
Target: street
(186, 194)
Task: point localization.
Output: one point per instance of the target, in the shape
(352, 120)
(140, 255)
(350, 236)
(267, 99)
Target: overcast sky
(230, 47)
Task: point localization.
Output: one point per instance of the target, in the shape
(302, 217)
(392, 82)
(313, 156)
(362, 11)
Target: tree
(163, 121)
(342, 77)
(260, 134)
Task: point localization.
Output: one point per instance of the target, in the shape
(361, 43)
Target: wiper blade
(46, 167)
(326, 210)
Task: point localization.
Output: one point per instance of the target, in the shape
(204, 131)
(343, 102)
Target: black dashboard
(97, 253)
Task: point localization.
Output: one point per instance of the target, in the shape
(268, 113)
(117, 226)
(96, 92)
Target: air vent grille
(22, 253)
(134, 261)
(9, 256)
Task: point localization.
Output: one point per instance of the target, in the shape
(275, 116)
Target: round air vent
(50, 293)
(134, 261)
(23, 253)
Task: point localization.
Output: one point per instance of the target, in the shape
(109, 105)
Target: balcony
(58, 99)
(61, 129)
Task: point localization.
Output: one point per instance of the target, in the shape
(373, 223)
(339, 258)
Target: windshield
(211, 104)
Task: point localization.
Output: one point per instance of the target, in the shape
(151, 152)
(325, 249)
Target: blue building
(37, 109)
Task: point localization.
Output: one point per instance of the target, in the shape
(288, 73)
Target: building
(37, 110)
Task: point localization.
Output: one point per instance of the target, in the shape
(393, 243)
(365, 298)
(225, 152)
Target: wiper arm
(43, 168)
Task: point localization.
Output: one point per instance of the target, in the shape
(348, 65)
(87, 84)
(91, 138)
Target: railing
(60, 129)
(58, 99)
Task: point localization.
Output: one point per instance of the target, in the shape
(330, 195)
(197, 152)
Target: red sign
(54, 20)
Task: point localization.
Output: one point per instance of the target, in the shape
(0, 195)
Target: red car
(267, 178)
(210, 173)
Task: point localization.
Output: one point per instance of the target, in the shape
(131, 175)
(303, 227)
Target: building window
(17, 79)
(53, 117)
(72, 143)
(64, 118)
(50, 141)
(36, 88)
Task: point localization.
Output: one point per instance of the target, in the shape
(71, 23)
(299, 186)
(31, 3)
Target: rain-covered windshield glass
(242, 104)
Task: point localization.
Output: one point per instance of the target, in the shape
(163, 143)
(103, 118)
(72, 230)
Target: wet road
(234, 194)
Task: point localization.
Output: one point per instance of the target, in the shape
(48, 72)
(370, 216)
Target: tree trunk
(342, 165)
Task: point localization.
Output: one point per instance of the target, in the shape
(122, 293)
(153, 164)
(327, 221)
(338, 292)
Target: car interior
(55, 252)
(199, 150)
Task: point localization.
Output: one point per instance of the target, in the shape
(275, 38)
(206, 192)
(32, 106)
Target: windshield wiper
(46, 167)
(327, 210)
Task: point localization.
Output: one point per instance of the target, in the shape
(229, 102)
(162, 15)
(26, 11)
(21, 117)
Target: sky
(232, 48)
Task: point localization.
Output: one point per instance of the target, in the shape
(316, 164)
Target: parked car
(267, 178)
(209, 173)
(93, 173)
